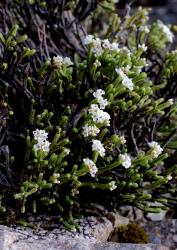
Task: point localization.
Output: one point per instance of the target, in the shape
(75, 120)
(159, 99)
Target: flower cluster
(112, 185)
(59, 61)
(142, 47)
(156, 149)
(99, 45)
(98, 147)
(66, 151)
(167, 32)
(90, 130)
(42, 143)
(55, 178)
(122, 139)
(96, 44)
(97, 63)
(171, 101)
(126, 81)
(145, 29)
(111, 46)
(91, 165)
(98, 94)
(125, 160)
(99, 116)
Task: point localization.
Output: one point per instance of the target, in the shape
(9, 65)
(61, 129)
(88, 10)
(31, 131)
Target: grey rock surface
(162, 232)
(10, 240)
(92, 235)
(92, 228)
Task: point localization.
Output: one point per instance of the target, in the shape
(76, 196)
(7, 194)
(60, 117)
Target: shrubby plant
(93, 121)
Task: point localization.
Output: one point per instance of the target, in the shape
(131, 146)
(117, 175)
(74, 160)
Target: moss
(132, 233)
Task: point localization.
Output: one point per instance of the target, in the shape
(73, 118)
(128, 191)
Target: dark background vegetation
(165, 10)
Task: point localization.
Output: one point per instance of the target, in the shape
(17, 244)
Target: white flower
(67, 151)
(122, 139)
(97, 63)
(125, 160)
(56, 175)
(41, 137)
(111, 46)
(126, 81)
(98, 147)
(103, 103)
(112, 185)
(156, 149)
(97, 48)
(90, 130)
(142, 46)
(144, 60)
(106, 44)
(91, 165)
(55, 178)
(169, 35)
(99, 93)
(169, 177)
(96, 44)
(171, 102)
(88, 39)
(99, 116)
(67, 61)
(114, 47)
(144, 28)
(44, 146)
(58, 61)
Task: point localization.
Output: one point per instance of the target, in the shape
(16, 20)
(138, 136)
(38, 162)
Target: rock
(132, 213)
(157, 217)
(102, 232)
(10, 240)
(90, 236)
(118, 220)
(162, 232)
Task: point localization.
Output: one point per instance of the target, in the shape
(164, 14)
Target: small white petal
(91, 165)
(99, 116)
(112, 185)
(98, 147)
(90, 130)
(67, 61)
(169, 35)
(88, 39)
(58, 61)
(125, 160)
(156, 149)
(126, 81)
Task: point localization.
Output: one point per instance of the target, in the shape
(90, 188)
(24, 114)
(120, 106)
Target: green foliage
(100, 127)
